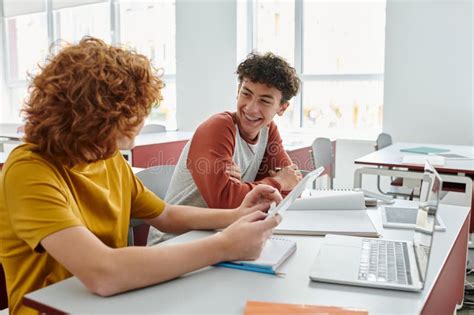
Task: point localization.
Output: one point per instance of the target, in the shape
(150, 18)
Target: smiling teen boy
(67, 194)
(231, 153)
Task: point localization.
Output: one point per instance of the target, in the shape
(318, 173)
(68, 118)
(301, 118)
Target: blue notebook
(424, 150)
(275, 252)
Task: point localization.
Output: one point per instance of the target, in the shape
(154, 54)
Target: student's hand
(287, 177)
(258, 199)
(245, 238)
(234, 172)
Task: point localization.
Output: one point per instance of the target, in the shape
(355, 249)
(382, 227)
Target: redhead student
(67, 194)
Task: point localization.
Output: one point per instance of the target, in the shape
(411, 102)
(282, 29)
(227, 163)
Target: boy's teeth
(251, 118)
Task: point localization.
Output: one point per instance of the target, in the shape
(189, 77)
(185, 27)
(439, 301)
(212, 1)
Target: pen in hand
(277, 169)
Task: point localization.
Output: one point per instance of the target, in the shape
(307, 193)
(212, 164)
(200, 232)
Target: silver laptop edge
(428, 206)
(332, 266)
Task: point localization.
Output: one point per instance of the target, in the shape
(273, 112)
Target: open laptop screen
(426, 217)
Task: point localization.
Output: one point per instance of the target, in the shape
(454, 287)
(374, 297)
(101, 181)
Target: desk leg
(471, 227)
(448, 291)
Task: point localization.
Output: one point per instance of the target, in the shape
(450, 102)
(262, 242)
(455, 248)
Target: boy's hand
(259, 199)
(244, 239)
(287, 177)
(234, 172)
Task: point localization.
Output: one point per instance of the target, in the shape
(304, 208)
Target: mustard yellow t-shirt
(38, 198)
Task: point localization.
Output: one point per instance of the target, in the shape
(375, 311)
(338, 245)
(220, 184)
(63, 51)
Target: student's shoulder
(26, 154)
(273, 128)
(272, 125)
(218, 124)
(24, 161)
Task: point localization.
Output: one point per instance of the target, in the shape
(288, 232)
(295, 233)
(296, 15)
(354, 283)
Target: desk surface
(392, 157)
(225, 291)
(10, 131)
(3, 157)
(162, 137)
(291, 141)
(295, 141)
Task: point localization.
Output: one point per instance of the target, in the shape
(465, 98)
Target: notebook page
(330, 200)
(276, 250)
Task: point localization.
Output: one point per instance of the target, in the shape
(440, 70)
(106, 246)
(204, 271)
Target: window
(72, 23)
(337, 49)
(155, 23)
(31, 27)
(26, 43)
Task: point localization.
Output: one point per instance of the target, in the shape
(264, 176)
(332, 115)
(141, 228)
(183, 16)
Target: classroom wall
(205, 59)
(428, 95)
(346, 152)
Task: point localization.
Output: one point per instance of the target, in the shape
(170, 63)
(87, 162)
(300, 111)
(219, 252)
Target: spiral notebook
(275, 252)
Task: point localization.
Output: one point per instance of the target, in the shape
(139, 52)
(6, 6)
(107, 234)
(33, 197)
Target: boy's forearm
(180, 219)
(136, 267)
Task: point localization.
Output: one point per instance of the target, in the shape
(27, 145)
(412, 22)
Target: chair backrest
(323, 155)
(152, 128)
(157, 179)
(383, 140)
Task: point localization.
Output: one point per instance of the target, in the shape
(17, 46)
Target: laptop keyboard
(384, 261)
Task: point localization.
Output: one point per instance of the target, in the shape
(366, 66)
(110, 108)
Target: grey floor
(465, 310)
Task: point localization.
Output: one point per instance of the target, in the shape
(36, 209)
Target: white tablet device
(295, 193)
(405, 218)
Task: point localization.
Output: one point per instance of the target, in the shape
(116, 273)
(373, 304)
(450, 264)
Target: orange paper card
(266, 308)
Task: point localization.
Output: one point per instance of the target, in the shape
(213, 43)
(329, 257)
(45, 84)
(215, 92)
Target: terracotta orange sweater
(212, 151)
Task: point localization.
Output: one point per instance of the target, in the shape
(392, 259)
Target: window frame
(299, 57)
(114, 29)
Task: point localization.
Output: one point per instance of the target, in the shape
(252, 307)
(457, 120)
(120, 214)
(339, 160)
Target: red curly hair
(85, 98)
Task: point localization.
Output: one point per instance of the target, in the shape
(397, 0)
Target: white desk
(294, 141)
(162, 137)
(10, 131)
(225, 291)
(3, 158)
(391, 156)
(164, 148)
(6, 146)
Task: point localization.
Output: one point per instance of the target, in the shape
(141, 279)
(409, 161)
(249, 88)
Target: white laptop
(295, 192)
(389, 264)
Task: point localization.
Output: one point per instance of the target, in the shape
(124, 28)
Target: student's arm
(276, 158)
(209, 158)
(107, 271)
(180, 219)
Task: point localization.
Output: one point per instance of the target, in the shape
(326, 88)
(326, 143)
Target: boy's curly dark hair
(87, 96)
(271, 70)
